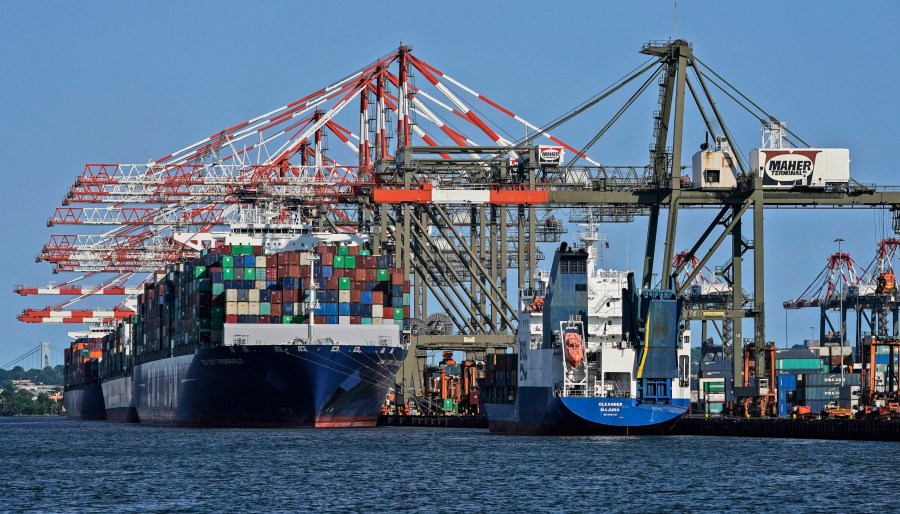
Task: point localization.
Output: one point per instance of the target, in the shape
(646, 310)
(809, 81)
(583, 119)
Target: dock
(846, 429)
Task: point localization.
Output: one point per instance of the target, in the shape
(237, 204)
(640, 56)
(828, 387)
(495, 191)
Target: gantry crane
(423, 158)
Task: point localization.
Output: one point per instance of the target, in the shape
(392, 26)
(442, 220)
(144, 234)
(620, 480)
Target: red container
(282, 270)
(397, 277)
(276, 309)
(276, 296)
(355, 320)
(321, 320)
(231, 318)
(377, 298)
(327, 259)
(326, 250)
(355, 296)
(290, 296)
(359, 274)
(371, 274)
(263, 319)
(271, 273)
(272, 262)
(353, 250)
(331, 283)
(293, 258)
(294, 270)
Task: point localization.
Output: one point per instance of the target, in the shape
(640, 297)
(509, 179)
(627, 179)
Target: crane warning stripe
(461, 196)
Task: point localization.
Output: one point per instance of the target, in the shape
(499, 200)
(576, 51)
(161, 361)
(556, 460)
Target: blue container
(787, 382)
(354, 309)
(332, 320)
(397, 290)
(287, 309)
(365, 310)
(344, 309)
(882, 358)
(242, 318)
(250, 261)
(272, 284)
(265, 295)
(327, 272)
(382, 261)
(365, 297)
(216, 276)
(331, 309)
(229, 284)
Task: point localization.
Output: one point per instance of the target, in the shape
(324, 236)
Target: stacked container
(82, 362)
(189, 303)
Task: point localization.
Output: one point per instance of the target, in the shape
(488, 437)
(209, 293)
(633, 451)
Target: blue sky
(128, 82)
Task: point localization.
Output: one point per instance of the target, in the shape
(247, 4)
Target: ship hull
(538, 412)
(317, 385)
(118, 399)
(84, 402)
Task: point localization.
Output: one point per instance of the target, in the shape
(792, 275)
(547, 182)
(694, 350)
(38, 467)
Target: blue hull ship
(294, 384)
(594, 357)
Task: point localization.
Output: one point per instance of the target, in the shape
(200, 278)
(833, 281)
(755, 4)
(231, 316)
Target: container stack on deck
(82, 361)
(190, 302)
(500, 380)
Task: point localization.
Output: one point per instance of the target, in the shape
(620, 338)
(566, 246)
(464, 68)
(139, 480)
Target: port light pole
(841, 315)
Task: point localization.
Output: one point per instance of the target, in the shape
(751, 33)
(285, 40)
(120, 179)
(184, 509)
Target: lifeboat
(574, 348)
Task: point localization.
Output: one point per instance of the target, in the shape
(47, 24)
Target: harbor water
(57, 465)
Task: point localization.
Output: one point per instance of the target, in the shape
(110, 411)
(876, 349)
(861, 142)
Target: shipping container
(785, 168)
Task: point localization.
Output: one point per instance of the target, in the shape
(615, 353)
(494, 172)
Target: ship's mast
(311, 304)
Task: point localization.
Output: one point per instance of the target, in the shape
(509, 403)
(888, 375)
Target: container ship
(577, 371)
(273, 326)
(116, 370)
(82, 395)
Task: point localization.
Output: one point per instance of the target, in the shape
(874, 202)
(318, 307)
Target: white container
(785, 168)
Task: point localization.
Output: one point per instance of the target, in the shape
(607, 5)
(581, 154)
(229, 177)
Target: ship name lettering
(213, 362)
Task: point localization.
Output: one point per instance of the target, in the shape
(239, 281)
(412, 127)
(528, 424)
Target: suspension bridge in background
(37, 358)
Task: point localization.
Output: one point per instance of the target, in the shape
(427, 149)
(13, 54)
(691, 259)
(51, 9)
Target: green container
(812, 364)
(339, 261)
(287, 320)
(227, 261)
(344, 283)
(343, 250)
(714, 387)
(398, 313)
(365, 252)
(218, 288)
(350, 262)
(250, 274)
(448, 403)
(406, 298)
(217, 324)
(365, 321)
(382, 275)
(199, 271)
(265, 308)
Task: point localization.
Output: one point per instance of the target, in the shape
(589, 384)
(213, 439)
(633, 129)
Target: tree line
(15, 401)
